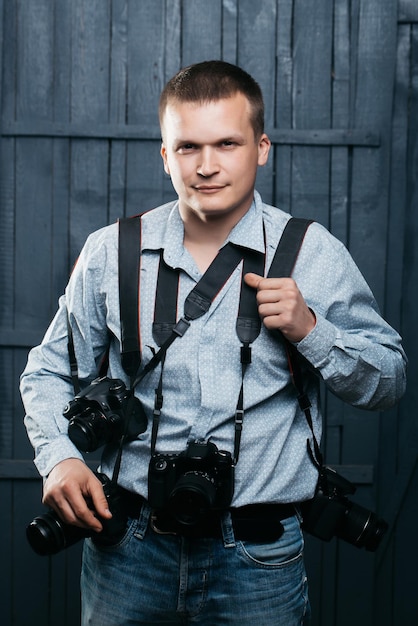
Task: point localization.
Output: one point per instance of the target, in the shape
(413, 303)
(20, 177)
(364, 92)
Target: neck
(203, 239)
(204, 235)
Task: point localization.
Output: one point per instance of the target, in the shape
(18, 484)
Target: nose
(208, 165)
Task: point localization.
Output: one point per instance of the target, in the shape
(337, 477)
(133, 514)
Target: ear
(264, 145)
(163, 152)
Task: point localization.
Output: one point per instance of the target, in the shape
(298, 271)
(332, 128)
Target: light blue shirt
(356, 353)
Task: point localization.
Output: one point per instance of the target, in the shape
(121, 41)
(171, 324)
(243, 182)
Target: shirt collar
(167, 232)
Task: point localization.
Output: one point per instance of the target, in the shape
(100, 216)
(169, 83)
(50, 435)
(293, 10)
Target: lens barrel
(47, 534)
(192, 497)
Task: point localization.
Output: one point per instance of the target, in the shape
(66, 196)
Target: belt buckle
(153, 524)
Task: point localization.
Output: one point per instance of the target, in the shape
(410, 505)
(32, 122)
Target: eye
(186, 148)
(228, 143)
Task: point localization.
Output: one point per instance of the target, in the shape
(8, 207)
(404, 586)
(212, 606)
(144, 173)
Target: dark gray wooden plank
(33, 233)
(144, 171)
(61, 264)
(88, 191)
(340, 162)
(172, 38)
(229, 39)
(2, 21)
(401, 500)
(284, 136)
(62, 37)
(7, 230)
(407, 11)
(60, 184)
(256, 22)
(118, 107)
(145, 62)
(9, 61)
(392, 485)
(404, 592)
(201, 31)
(90, 60)
(35, 54)
(377, 48)
(118, 83)
(6, 547)
(283, 108)
(398, 177)
(6, 408)
(28, 571)
(90, 65)
(312, 49)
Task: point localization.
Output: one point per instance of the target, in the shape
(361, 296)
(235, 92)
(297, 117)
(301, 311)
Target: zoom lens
(47, 534)
(192, 497)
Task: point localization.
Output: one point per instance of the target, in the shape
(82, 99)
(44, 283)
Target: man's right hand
(76, 494)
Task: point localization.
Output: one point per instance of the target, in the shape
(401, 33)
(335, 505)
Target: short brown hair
(214, 80)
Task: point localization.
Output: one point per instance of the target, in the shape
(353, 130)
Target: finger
(100, 502)
(74, 511)
(253, 280)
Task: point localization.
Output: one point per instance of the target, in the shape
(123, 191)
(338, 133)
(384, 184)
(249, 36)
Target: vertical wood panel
(283, 109)
(340, 163)
(256, 24)
(311, 106)
(90, 62)
(146, 79)
(118, 106)
(35, 58)
(229, 30)
(201, 31)
(377, 49)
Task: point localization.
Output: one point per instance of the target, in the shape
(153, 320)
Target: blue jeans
(149, 578)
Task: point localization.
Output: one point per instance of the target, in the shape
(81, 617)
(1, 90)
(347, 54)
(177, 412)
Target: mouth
(209, 189)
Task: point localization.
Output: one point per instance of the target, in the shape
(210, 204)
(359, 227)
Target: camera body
(191, 483)
(47, 534)
(102, 413)
(331, 514)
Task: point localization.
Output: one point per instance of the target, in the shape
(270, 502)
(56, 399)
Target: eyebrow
(238, 138)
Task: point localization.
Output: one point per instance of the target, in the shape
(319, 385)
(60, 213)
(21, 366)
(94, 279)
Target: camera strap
(166, 329)
(282, 265)
(197, 303)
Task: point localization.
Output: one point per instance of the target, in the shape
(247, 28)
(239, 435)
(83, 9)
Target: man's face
(211, 154)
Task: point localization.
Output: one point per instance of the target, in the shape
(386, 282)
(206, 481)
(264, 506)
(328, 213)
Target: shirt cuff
(317, 344)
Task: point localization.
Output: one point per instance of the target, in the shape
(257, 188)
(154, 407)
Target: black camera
(102, 413)
(48, 534)
(331, 514)
(191, 483)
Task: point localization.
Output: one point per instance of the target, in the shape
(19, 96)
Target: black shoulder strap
(129, 269)
(288, 249)
(282, 265)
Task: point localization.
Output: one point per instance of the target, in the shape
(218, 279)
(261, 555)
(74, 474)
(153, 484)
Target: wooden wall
(79, 147)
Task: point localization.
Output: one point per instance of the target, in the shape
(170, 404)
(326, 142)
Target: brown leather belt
(254, 522)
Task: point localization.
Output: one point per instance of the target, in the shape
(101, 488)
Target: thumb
(252, 280)
(99, 499)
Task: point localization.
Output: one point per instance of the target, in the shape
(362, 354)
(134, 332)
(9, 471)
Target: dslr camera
(331, 514)
(191, 483)
(102, 413)
(47, 534)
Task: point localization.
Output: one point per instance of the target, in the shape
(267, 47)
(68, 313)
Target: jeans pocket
(286, 550)
(104, 542)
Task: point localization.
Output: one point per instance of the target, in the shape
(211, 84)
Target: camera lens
(89, 432)
(47, 534)
(362, 528)
(193, 495)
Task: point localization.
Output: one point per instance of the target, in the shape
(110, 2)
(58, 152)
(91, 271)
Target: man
(215, 570)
